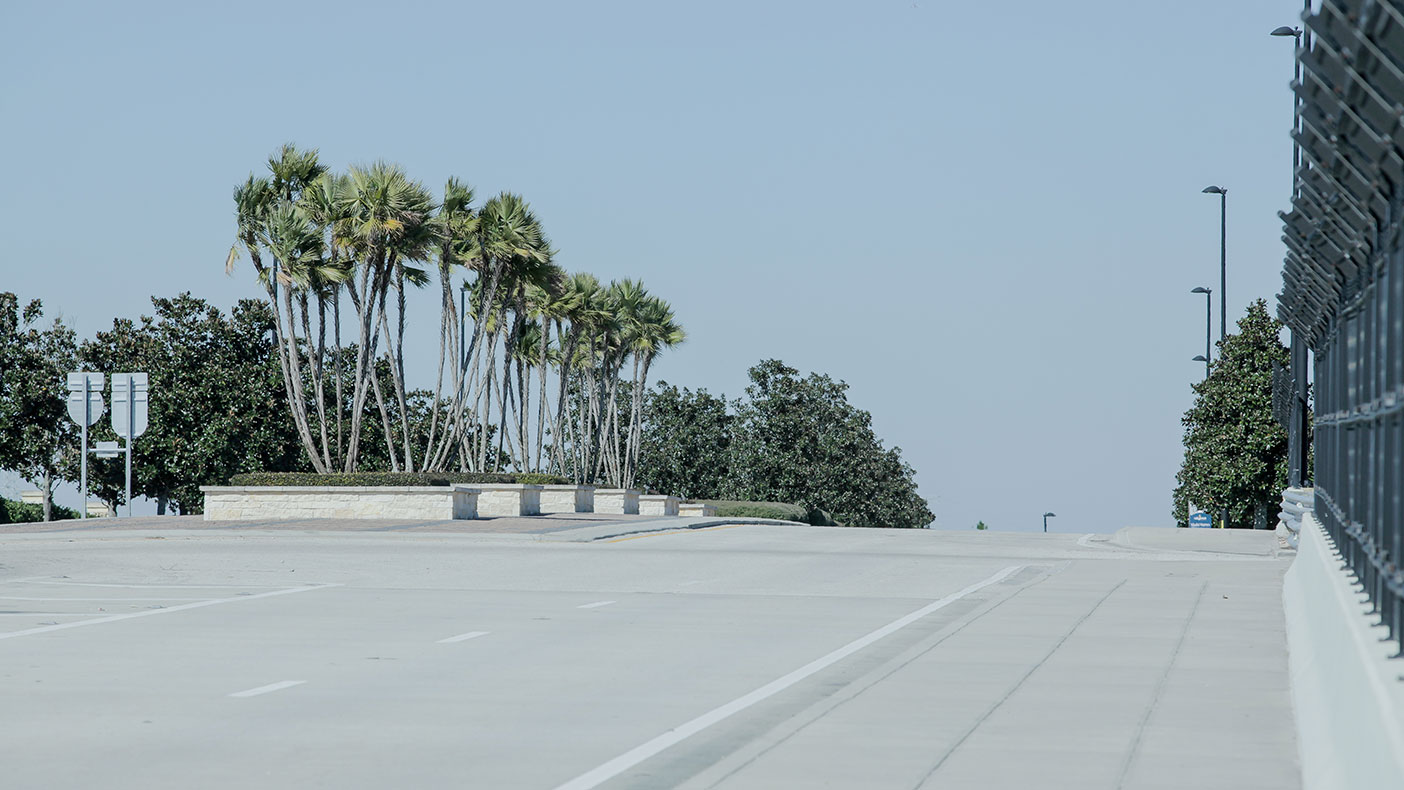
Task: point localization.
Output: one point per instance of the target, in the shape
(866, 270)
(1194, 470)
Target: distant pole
(83, 454)
(1046, 516)
(1208, 325)
(1223, 257)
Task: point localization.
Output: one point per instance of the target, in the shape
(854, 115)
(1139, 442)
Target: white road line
(464, 637)
(34, 580)
(111, 600)
(50, 614)
(149, 612)
(595, 605)
(279, 686)
(638, 754)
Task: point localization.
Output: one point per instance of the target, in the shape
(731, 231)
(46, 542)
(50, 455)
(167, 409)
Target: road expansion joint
(997, 704)
(715, 759)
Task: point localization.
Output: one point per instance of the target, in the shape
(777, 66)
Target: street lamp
(1223, 256)
(1208, 323)
(1047, 516)
(1296, 34)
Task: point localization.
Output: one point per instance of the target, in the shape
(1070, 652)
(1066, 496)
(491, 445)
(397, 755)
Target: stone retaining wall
(567, 499)
(505, 499)
(281, 503)
(658, 505)
(620, 501)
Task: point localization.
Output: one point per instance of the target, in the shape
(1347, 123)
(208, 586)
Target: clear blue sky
(985, 217)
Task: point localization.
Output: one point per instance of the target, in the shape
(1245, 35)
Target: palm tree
(383, 206)
(456, 226)
(656, 329)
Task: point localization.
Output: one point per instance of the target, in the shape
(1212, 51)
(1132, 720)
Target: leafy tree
(685, 442)
(799, 440)
(216, 403)
(35, 432)
(1235, 451)
(980, 525)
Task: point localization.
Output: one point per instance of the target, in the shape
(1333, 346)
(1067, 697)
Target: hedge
(775, 510)
(388, 479)
(12, 512)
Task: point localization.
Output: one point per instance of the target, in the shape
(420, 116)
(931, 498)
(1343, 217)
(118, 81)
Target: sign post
(129, 416)
(85, 406)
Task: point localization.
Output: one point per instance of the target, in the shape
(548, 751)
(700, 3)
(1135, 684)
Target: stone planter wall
(567, 499)
(697, 509)
(658, 505)
(620, 501)
(283, 503)
(505, 499)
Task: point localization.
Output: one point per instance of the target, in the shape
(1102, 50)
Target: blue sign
(1201, 520)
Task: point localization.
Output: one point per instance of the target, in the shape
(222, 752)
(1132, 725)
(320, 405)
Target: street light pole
(1208, 325)
(1296, 34)
(1223, 257)
(1047, 516)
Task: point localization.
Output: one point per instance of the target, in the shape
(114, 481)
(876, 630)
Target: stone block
(497, 500)
(621, 501)
(658, 505)
(697, 509)
(567, 499)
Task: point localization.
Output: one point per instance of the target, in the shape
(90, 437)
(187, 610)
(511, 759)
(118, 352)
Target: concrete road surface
(221, 656)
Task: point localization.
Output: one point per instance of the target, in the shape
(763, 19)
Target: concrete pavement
(725, 656)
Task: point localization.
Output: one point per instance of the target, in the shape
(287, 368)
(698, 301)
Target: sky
(985, 217)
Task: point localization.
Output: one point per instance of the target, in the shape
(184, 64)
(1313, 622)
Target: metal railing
(1343, 282)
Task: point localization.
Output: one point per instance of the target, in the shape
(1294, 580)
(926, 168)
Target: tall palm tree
(383, 206)
(655, 329)
(455, 225)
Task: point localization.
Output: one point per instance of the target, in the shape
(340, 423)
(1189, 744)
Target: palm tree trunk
(337, 369)
(300, 404)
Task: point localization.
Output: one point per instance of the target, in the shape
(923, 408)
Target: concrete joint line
(778, 735)
(603, 773)
(1017, 685)
(150, 612)
(1159, 689)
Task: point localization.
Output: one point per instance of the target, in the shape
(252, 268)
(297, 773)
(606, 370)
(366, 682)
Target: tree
(684, 449)
(35, 431)
(980, 525)
(217, 407)
(1235, 451)
(799, 440)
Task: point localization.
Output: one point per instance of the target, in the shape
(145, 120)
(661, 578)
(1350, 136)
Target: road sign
(129, 403)
(1201, 520)
(81, 413)
(107, 450)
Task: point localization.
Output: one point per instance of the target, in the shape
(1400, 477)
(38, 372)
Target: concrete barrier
(1345, 686)
(658, 505)
(283, 503)
(619, 501)
(696, 509)
(567, 499)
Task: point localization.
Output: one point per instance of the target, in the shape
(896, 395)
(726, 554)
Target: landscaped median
(283, 496)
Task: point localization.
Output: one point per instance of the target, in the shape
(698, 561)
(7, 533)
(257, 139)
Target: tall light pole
(1223, 257)
(1297, 432)
(1296, 34)
(1047, 516)
(1208, 325)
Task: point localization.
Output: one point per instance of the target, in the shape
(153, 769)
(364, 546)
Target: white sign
(85, 414)
(129, 403)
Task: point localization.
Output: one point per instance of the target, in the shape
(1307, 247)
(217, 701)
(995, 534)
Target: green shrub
(387, 479)
(776, 510)
(12, 512)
